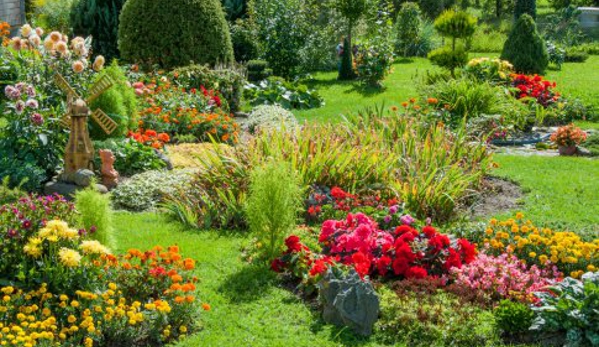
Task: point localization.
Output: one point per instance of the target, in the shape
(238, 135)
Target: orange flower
(404, 104)
(206, 307)
(179, 299)
(176, 278)
(394, 108)
(412, 100)
(189, 264)
(432, 101)
(190, 298)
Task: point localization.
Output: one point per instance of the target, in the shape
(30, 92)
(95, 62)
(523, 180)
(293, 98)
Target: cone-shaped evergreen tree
(525, 48)
(525, 7)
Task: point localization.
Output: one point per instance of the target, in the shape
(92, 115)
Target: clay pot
(567, 150)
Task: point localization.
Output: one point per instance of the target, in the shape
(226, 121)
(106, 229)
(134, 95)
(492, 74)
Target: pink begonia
(505, 276)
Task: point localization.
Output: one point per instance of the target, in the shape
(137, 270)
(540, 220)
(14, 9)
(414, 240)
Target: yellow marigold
(93, 247)
(69, 257)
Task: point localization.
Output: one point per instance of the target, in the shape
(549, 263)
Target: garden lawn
(560, 191)
(342, 97)
(248, 307)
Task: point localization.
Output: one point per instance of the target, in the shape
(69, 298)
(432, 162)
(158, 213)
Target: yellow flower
(519, 215)
(93, 247)
(69, 257)
(532, 254)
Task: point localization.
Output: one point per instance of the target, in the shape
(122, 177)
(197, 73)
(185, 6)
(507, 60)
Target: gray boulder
(349, 301)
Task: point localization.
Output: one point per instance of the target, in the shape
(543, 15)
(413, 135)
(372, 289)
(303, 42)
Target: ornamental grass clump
(96, 214)
(273, 202)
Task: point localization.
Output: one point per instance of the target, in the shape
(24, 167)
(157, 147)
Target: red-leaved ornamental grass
(534, 86)
(568, 135)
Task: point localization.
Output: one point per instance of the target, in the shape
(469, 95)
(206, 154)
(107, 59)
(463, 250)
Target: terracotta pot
(567, 150)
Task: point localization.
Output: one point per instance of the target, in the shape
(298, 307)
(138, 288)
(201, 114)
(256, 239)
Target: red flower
(402, 229)
(319, 267)
(338, 193)
(293, 244)
(453, 260)
(277, 265)
(383, 265)
(429, 231)
(361, 263)
(416, 272)
(157, 272)
(467, 250)
(438, 242)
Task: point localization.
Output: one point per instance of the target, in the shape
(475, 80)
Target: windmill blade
(65, 120)
(65, 87)
(105, 122)
(98, 88)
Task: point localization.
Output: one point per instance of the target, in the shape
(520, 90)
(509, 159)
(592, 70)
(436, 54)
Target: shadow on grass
(248, 284)
(343, 335)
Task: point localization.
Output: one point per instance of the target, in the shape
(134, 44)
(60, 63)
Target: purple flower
(12, 233)
(26, 224)
(407, 219)
(30, 91)
(393, 209)
(37, 119)
(19, 106)
(82, 232)
(429, 221)
(387, 219)
(32, 103)
(20, 86)
(92, 229)
(12, 92)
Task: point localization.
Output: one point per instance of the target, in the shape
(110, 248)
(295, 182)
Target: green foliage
(145, 191)
(468, 99)
(487, 39)
(375, 57)
(513, 317)
(564, 28)
(453, 25)
(591, 48)
(174, 33)
(53, 14)
(273, 202)
(449, 58)
(258, 70)
(528, 7)
(24, 174)
(270, 117)
(433, 8)
(9, 195)
(229, 81)
(557, 55)
(119, 102)
(571, 307)
(244, 36)
(131, 156)
(352, 10)
(439, 319)
(592, 144)
(100, 19)
(525, 48)
(276, 91)
(234, 9)
(576, 56)
(408, 26)
(95, 214)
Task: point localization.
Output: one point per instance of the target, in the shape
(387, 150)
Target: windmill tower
(79, 153)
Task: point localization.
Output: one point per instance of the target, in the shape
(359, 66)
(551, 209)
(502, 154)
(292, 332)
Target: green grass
(249, 308)
(342, 97)
(560, 191)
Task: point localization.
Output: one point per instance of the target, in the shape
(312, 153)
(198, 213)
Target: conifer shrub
(454, 26)
(528, 7)
(525, 48)
(174, 33)
(100, 19)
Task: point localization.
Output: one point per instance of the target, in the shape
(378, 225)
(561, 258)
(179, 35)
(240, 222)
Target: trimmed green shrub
(351, 10)
(453, 25)
(244, 36)
(100, 19)
(513, 317)
(96, 215)
(272, 205)
(528, 7)
(228, 81)
(258, 70)
(174, 33)
(525, 48)
(119, 102)
(408, 26)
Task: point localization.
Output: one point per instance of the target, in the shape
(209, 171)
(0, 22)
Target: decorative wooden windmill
(79, 153)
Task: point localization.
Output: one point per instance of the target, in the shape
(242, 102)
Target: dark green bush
(592, 144)
(447, 58)
(433, 8)
(119, 102)
(513, 317)
(258, 70)
(408, 26)
(23, 174)
(575, 56)
(528, 7)
(174, 33)
(234, 9)
(244, 36)
(525, 48)
(100, 19)
(228, 81)
(346, 72)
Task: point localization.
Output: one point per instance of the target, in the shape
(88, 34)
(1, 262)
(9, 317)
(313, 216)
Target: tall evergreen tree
(525, 48)
(525, 7)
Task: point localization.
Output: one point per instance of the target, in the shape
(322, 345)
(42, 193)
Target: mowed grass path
(559, 191)
(342, 97)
